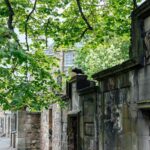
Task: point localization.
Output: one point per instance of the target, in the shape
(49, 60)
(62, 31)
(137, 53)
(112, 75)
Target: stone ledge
(144, 104)
(90, 89)
(124, 67)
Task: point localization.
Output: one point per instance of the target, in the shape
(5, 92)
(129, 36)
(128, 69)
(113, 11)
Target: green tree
(102, 30)
(27, 75)
(108, 43)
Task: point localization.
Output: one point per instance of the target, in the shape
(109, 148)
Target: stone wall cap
(144, 104)
(73, 112)
(89, 89)
(78, 76)
(125, 66)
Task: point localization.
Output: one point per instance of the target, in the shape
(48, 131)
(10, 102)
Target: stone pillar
(45, 130)
(64, 143)
(7, 123)
(56, 131)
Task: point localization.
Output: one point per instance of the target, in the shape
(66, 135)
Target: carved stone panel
(88, 110)
(89, 129)
(147, 24)
(75, 98)
(147, 36)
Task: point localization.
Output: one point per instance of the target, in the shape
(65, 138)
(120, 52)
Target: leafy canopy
(27, 75)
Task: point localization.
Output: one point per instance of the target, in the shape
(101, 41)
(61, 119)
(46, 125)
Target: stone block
(88, 129)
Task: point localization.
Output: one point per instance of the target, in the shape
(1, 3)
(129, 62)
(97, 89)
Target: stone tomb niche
(73, 131)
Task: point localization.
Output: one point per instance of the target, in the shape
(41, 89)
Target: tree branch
(26, 24)
(10, 19)
(46, 29)
(83, 16)
(83, 33)
(134, 4)
(11, 14)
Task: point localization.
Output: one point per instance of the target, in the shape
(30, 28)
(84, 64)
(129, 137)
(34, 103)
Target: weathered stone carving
(147, 36)
(147, 43)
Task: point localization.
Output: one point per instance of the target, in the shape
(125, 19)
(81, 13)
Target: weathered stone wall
(64, 137)
(82, 128)
(28, 130)
(122, 124)
(142, 80)
(88, 119)
(54, 128)
(118, 115)
(116, 120)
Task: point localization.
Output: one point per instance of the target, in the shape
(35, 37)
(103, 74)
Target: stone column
(56, 131)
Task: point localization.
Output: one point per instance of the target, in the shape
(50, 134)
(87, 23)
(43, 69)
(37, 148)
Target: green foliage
(27, 76)
(109, 43)
(105, 55)
(104, 46)
(27, 79)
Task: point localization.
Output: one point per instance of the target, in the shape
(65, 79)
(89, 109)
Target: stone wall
(117, 113)
(117, 116)
(54, 128)
(82, 129)
(88, 119)
(28, 130)
(123, 120)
